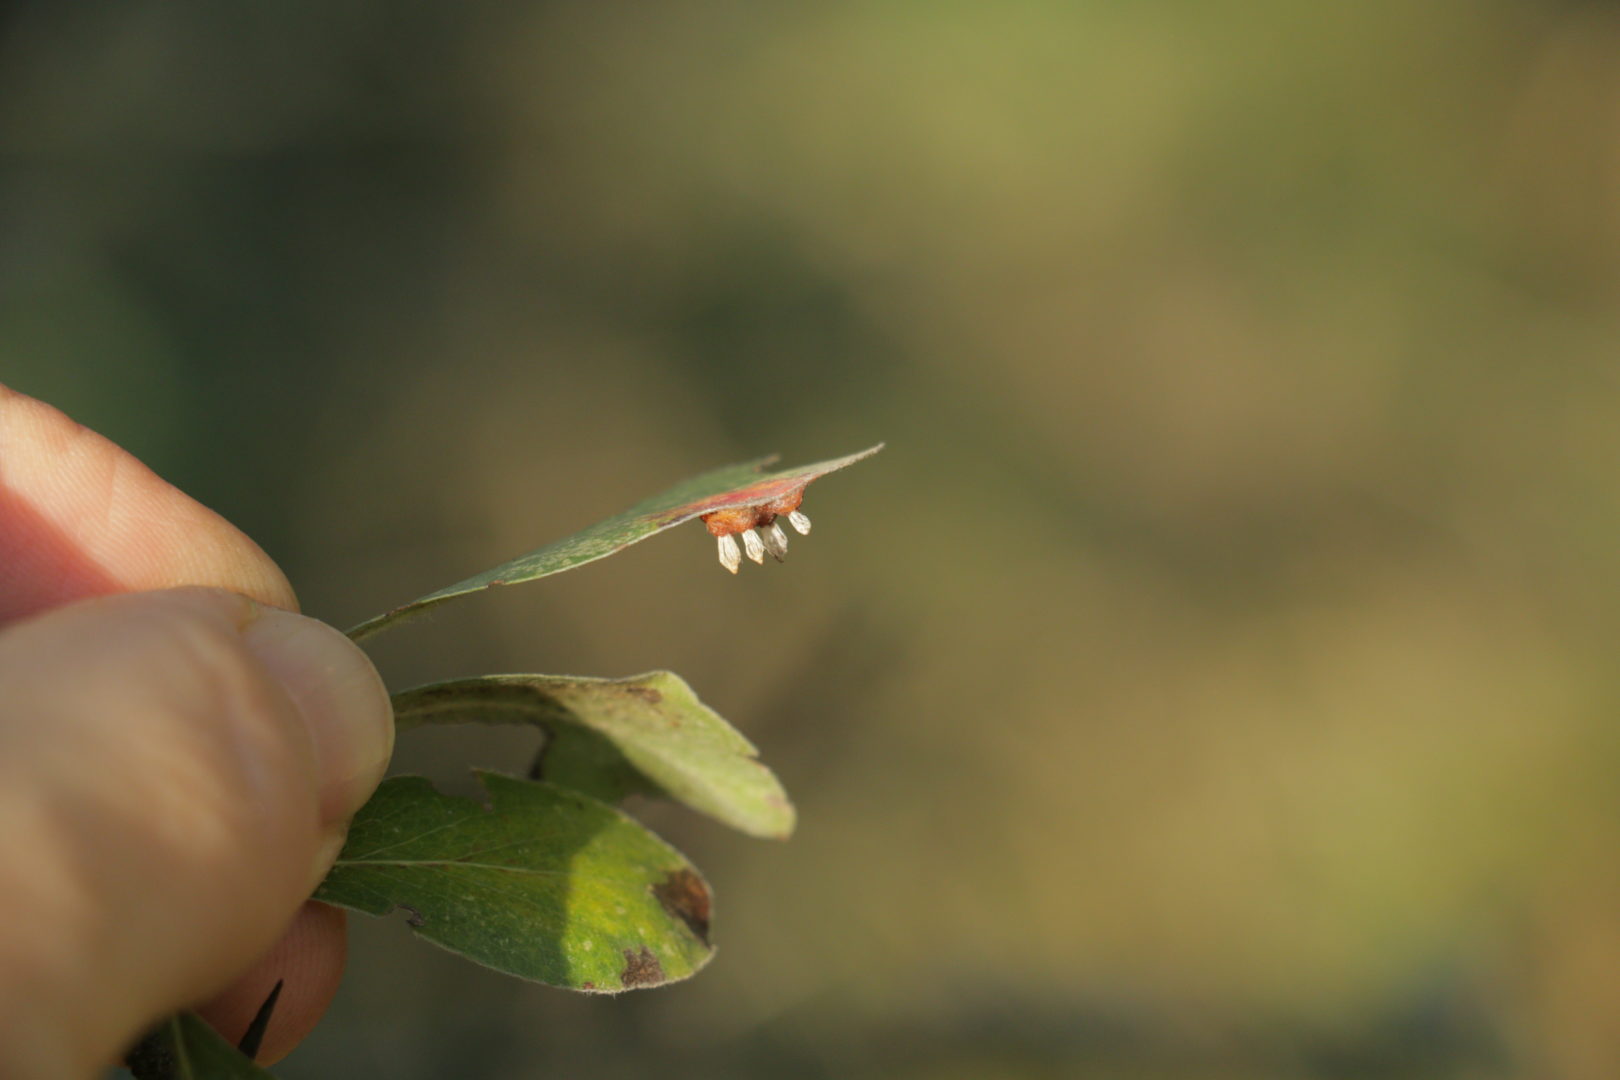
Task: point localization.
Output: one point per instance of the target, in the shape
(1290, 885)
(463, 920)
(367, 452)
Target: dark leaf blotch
(641, 969)
(685, 896)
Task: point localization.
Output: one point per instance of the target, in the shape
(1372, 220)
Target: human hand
(177, 765)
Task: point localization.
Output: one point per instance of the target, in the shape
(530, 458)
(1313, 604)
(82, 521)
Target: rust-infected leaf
(735, 486)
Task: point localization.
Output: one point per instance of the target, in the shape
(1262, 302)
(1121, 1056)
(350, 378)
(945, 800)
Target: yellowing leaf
(544, 883)
(610, 737)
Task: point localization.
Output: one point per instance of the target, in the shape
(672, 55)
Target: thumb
(176, 769)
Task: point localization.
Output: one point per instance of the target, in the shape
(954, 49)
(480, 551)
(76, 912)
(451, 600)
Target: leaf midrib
(444, 863)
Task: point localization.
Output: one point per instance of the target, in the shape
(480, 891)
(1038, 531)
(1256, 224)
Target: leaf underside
(734, 485)
(647, 734)
(186, 1048)
(544, 883)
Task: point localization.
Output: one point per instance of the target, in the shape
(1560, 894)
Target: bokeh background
(1216, 675)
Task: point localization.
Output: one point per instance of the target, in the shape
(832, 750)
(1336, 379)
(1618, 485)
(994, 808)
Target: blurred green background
(1214, 678)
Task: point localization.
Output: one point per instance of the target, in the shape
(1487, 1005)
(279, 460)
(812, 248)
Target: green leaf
(734, 485)
(611, 737)
(185, 1048)
(544, 883)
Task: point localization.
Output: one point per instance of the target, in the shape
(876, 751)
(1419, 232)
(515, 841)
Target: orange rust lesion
(731, 520)
(757, 493)
(786, 504)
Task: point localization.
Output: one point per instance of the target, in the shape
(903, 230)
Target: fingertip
(308, 959)
(80, 517)
(341, 698)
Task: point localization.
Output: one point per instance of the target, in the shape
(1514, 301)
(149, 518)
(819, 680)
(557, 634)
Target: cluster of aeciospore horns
(727, 524)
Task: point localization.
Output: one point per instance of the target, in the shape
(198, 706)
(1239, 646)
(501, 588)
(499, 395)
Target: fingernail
(342, 700)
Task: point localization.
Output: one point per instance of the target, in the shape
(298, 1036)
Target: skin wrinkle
(253, 750)
(110, 504)
(46, 975)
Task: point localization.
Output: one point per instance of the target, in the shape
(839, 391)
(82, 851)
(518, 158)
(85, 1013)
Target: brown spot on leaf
(645, 693)
(641, 969)
(685, 896)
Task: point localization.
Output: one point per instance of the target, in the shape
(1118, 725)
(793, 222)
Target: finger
(308, 961)
(175, 769)
(80, 517)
